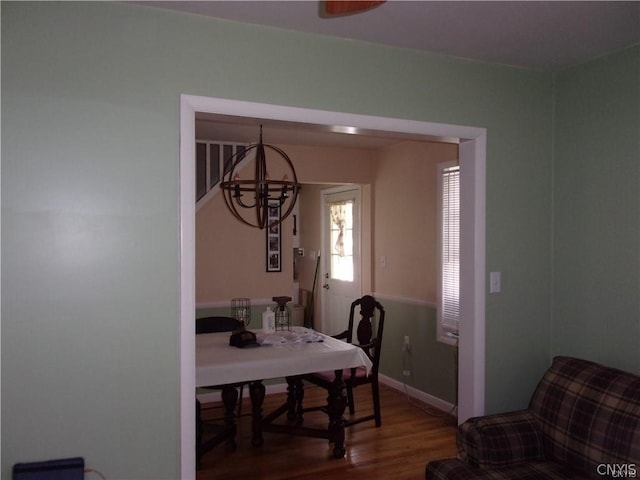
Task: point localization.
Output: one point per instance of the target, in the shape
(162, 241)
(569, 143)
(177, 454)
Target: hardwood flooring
(399, 450)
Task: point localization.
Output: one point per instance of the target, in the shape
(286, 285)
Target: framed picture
(274, 239)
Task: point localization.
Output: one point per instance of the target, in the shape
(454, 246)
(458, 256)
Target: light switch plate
(494, 282)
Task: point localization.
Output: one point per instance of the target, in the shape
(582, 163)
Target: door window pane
(341, 237)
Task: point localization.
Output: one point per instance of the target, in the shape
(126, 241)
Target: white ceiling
(540, 35)
(545, 35)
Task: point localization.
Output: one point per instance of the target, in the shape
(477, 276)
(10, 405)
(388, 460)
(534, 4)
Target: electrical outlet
(406, 373)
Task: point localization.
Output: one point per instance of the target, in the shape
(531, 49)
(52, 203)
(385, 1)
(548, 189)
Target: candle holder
(283, 318)
(241, 310)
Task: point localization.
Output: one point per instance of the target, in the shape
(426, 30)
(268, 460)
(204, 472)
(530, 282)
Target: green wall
(90, 209)
(432, 364)
(597, 211)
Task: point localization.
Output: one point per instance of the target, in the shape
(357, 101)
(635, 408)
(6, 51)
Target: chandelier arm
(235, 213)
(286, 159)
(291, 205)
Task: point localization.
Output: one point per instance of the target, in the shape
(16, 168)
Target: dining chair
(220, 324)
(354, 377)
(215, 324)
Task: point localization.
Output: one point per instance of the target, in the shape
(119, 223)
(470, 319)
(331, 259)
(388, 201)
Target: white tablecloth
(218, 363)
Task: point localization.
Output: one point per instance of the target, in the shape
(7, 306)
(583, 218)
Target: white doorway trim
(471, 377)
(354, 287)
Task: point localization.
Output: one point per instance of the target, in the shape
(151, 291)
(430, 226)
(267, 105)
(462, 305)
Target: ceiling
(543, 35)
(539, 35)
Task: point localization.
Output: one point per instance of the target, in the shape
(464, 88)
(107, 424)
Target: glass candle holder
(283, 317)
(241, 310)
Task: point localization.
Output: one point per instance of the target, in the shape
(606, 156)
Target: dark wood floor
(399, 450)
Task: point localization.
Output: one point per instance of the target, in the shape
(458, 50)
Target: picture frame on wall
(274, 238)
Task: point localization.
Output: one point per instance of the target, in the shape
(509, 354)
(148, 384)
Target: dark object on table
(243, 339)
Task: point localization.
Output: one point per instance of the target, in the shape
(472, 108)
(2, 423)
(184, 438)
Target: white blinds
(450, 306)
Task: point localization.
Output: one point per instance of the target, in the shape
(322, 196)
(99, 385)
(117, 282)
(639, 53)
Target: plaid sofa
(583, 422)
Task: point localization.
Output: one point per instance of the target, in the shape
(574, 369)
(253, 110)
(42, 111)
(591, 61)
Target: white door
(341, 272)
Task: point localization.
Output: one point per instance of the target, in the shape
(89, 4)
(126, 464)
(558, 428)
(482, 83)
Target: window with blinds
(449, 236)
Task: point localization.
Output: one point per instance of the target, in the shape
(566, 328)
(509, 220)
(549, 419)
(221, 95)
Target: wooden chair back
(369, 342)
(216, 324)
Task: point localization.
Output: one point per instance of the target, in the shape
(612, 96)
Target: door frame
(472, 148)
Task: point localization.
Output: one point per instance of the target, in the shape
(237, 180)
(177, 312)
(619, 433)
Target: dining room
(223, 274)
(398, 182)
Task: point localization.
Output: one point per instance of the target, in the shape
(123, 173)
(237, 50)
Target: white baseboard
(419, 395)
(215, 395)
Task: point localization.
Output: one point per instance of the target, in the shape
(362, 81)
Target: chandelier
(261, 201)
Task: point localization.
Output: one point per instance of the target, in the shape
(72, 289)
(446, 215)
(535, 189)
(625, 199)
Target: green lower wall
(432, 364)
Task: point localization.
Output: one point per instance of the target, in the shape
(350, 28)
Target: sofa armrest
(500, 440)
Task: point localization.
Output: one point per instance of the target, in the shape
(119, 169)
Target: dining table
(288, 354)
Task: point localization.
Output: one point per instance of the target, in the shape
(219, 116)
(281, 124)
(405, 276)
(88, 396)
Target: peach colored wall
(332, 165)
(309, 232)
(230, 258)
(405, 194)
(399, 207)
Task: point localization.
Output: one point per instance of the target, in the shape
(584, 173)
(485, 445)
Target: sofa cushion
(499, 440)
(588, 414)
